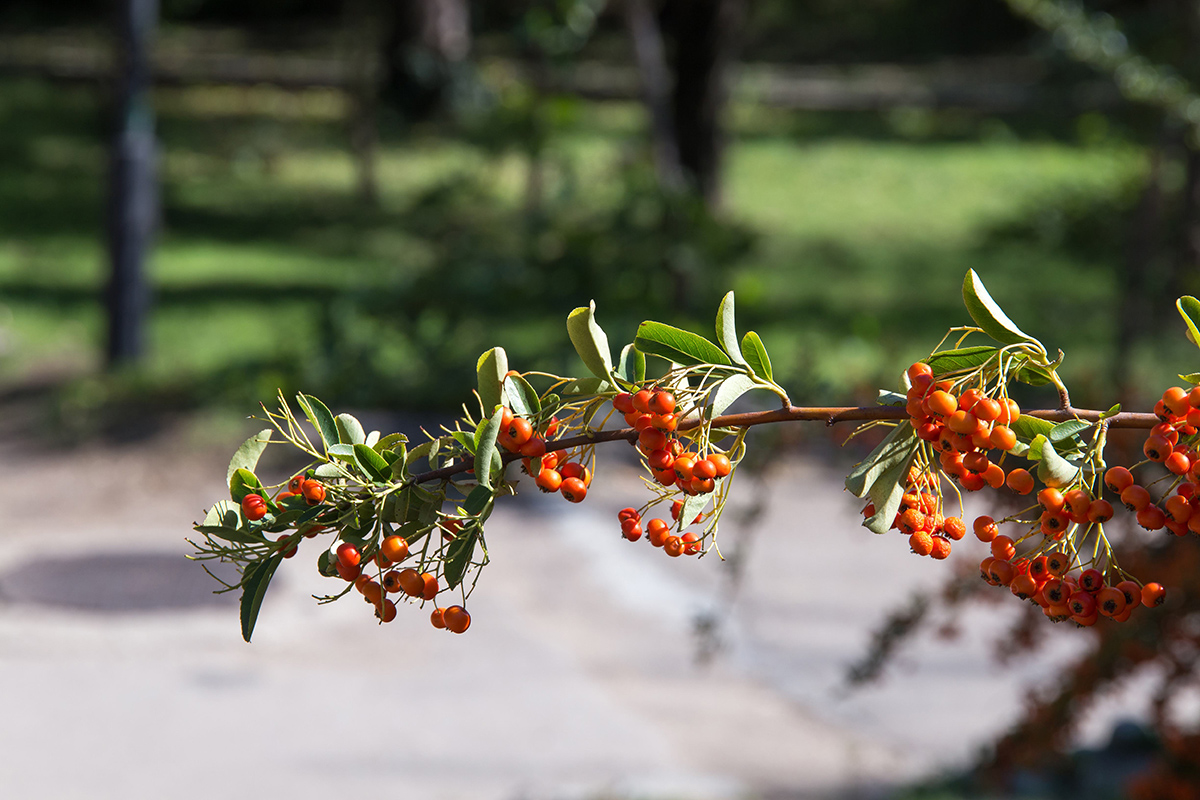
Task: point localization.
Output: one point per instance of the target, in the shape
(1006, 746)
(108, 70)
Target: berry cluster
(552, 472)
(963, 427)
(659, 534)
(652, 414)
(1059, 556)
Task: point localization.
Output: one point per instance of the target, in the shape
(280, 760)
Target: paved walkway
(578, 678)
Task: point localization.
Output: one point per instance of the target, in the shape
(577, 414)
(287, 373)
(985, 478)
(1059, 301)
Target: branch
(830, 416)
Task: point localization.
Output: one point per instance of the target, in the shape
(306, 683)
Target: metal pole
(133, 202)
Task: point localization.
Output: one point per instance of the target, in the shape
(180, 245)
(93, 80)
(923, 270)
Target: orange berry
(954, 528)
(1003, 548)
(941, 403)
(1118, 479)
(921, 543)
(941, 548)
(994, 476)
(391, 582)
(438, 619)
(661, 402)
(623, 403)
(1152, 518)
(1100, 511)
(457, 619)
(394, 548)
(1110, 601)
(1003, 438)
(704, 469)
(313, 492)
(918, 369)
(1157, 448)
(1023, 586)
(1178, 509)
(691, 543)
(985, 529)
(1176, 399)
(641, 401)
(1135, 497)
(722, 464)
(673, 546)
(1051, 499)
(1178, 462)
(1153, 594)
(429, 586)
(549, 480)
(1020, 481)
(348, 554)
(411, 582)
(574, 490)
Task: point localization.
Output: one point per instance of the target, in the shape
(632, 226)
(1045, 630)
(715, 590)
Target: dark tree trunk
(133, 202)
(705, 37)
(650, 53)
(426, 41)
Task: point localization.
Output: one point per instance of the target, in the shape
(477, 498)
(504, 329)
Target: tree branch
(830, 416)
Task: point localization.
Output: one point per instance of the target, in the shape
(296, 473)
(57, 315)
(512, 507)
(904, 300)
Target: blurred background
(204, 201)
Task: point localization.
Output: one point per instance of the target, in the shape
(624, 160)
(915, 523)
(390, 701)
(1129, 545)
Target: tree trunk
(133, 203)
(426, 42)
(705, 37)
(650, 54)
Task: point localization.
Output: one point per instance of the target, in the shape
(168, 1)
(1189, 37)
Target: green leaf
(478, 500)
(350, 430)
(371, 439)
(1192, 378)
(989, 316)
(458, 554)
(728, 391)
(677, 345)
(248, 454)
(467, 440)
(254, 587)
(1065, 430)
(897, 447)
(1027, 427)
(327, 471)
(372, 464)
(224, 514)
(487, 450)
(1054, 470)
(587, 386)
(342, 452)
(1189, 309)
(886, 493)
(490, 370)
(389, 442)
(242, 483)
(320, 417)
(756, 356)
(232, 535)
(591, 343)
(522, 398)
(693, 505)
(961, 358)
(633, 365)
(327, 564)
(887, 398)
(1112, 412)
(727, 331)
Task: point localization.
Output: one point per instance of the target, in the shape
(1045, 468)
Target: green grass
(861, 241)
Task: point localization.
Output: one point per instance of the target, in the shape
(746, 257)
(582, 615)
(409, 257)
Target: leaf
(254, 587)
(887, 398)
(320, 417)
(490, 370)
(248, 454)
(458, 554)
(1192, 377)
(727, 331)
(1027, 427)
(886, 493)
(389, 442)
(633, 365)
(486, 450)
(327, 471)
(1189, 309)
(224, 514)
(372, 464)
(231, 534)
(1065, 430)
(989, 316)
(1054, 470)
(728, 391)
(478, 500)
(350, 430)
(587, 386)
(342, 452)
(756, 356)
(693, 505)
(467, 440)
(897, 447)
(677, 345)
(1112, 412)
(591, 343)
(961, 358)
(522, 398)
(371, 439)
(242, 483)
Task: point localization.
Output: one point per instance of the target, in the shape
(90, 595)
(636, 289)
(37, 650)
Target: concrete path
(578, 678)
